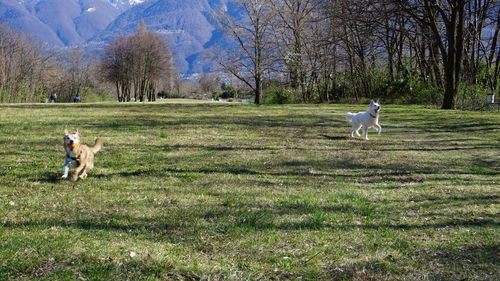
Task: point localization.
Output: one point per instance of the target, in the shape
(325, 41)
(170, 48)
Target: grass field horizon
(221, 191)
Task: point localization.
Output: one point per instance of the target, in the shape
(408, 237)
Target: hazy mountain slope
(94, 17)
(59, 16)
(186, 24)
(58, 22)
(16, 16)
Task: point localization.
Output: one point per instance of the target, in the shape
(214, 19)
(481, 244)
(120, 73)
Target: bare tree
(137, 64)
(23, 68)
(292, 30)
(209, 83)
(357, 33)
(251, 56)
(446, 20)
(115, 66)
(77, 72)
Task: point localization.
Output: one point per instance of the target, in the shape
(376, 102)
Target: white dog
(365, 119)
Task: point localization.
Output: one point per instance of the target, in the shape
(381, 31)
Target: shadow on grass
(164, 172)
(474, 127)
(444, 263)
(122, 267)
(287, 214)
(51, 177)
(304, 121)
(467, 262)
(218, 148)
(335, 138)
(360, 171)
(259, 220)
(487, 199)
(188, 226)
(470, 259)
(444, 149)
(227, 170)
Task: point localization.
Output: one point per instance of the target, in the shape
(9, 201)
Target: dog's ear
(66, 131)
(378, 101)
(371, 102)
(77, 132)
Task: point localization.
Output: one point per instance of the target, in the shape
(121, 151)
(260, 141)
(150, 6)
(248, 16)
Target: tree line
(131, 68)
(439, 52)
(424, 51)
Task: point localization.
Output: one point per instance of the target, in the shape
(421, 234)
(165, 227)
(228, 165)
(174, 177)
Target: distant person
(53, 98)
(77, 98)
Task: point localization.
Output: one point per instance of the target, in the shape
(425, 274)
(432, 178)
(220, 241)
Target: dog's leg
(379, 128)
(84, 173)
(355, 129)
(65, 173)
(77, 171)
(365, 132)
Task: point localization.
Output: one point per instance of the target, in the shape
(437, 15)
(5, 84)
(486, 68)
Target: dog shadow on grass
(335, 138)
(51, 177)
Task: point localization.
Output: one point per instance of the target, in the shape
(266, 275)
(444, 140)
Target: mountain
(186, 24)
(124, 5)
(58, 22)
(17, 16)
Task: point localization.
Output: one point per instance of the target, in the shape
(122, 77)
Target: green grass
(239, 192)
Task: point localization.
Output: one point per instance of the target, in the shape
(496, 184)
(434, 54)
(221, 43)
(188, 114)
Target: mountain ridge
(187, 25)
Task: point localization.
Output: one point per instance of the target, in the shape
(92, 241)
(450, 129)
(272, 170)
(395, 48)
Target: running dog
(365, 119)
(78, 153)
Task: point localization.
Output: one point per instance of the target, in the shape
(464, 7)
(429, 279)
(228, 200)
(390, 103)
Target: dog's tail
(348, 116)
(97, 146)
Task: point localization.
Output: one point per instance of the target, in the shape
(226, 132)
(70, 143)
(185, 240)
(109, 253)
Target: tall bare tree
(292, 28)
(446, 20)
(251, 55)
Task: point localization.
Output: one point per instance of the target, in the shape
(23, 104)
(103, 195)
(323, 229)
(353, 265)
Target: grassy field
(239, 192)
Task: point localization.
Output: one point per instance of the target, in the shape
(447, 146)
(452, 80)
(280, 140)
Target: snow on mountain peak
(125, 3)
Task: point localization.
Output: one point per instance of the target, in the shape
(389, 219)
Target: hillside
(58, 23)
(187, 25)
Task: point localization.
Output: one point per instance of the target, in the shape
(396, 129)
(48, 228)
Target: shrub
(170, 95)
(471, 97)
(276, 95)
(228, 92)
(42, 96)
(409, 90)
(89, 95)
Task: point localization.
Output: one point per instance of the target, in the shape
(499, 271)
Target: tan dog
(78, 153)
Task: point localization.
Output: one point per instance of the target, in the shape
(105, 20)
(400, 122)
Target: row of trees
(423, 51)
(329, 49)
(31, 73)
(22, 68)
(137, 65)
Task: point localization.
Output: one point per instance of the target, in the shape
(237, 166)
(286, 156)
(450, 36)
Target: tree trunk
(258, 89)
(454, 30)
